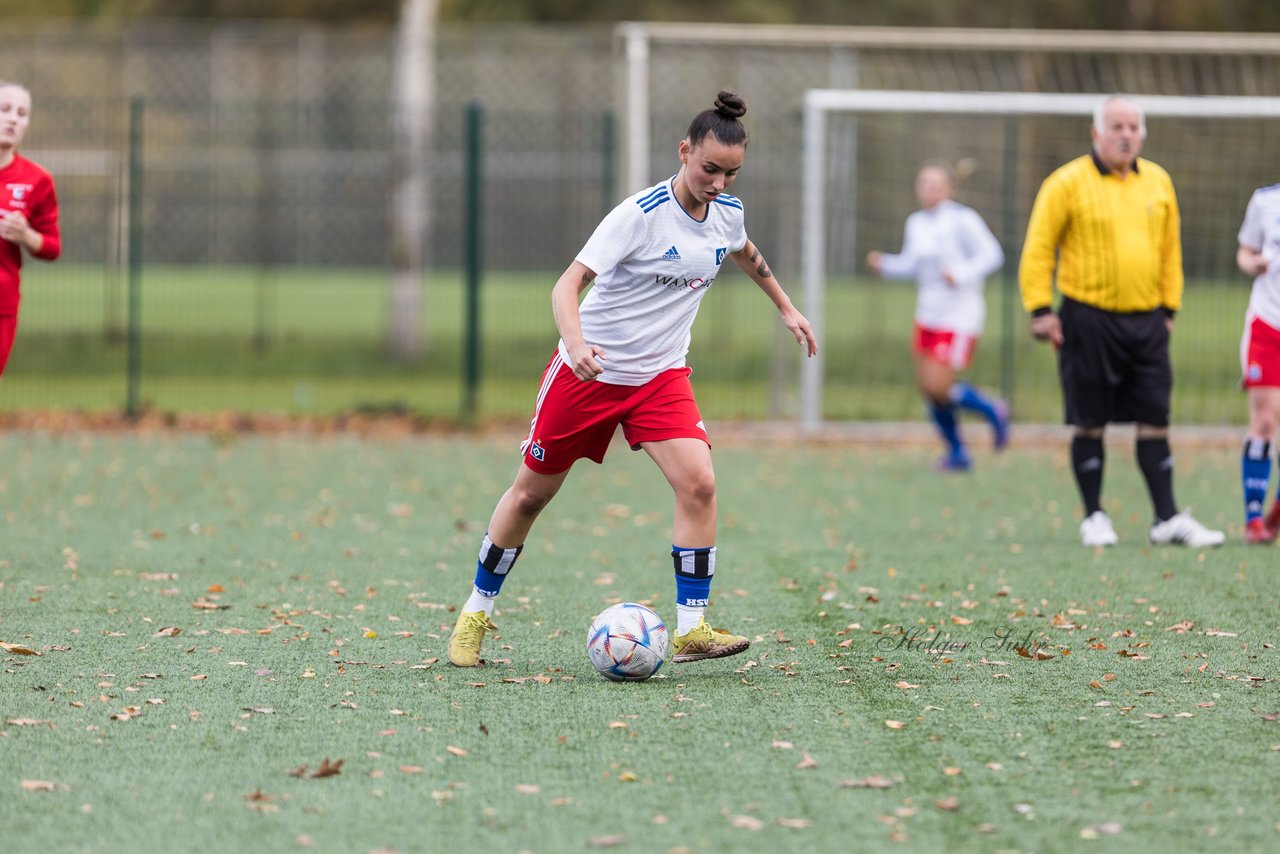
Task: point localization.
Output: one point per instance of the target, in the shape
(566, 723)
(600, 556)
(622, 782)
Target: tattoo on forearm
(762, 269)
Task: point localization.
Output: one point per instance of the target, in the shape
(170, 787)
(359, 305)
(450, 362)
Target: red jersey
(28, 188)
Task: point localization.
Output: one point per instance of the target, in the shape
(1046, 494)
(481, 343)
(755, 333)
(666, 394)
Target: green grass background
(312, 342)
(825, 552)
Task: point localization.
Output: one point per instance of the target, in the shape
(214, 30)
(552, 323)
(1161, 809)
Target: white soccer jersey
(1261, 232)
(953, 238)
(653, 264)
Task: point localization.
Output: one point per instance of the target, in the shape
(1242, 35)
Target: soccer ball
(627, 642)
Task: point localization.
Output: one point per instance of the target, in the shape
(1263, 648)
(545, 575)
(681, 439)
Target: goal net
(860, 154)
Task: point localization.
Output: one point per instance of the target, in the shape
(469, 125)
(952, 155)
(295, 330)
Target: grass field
(204, 615)
(311, 342)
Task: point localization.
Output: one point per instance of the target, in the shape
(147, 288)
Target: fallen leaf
(27, 722)
(905, 686)
(783, 745)
(37, 785)
(17, 648)
(1107, 828)
(411, 769)
(949, 804)
(627, 777)
(806, 762)
(456, 751)
(606, 841)
(796, 823)
(875, 781)
(746, 822)
(327, 769)
(528, 788)
(168, 632)
(894, 724)
(952, 771)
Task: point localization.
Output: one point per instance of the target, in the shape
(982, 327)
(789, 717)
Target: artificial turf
(937, 664)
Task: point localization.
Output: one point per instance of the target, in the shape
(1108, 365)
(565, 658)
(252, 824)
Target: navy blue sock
(1255, 475)
(945, 418)
(1156, 461)
(1088, 457)
(493, 565)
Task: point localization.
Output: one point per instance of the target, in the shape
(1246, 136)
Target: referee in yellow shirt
(1107, 225)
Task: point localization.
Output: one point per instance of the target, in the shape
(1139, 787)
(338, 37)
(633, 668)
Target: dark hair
(721, 121)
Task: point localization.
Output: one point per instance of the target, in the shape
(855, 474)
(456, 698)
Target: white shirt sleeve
(983, 255)
(904, 264)
(615, 239)
(1251, 233)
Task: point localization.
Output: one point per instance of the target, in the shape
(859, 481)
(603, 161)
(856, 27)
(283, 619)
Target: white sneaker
(1096, 530)
(1184, 530)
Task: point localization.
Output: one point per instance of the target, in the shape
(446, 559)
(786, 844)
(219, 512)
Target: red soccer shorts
(1260, 355)
(8, 328)
(574, 419)
(949, 348)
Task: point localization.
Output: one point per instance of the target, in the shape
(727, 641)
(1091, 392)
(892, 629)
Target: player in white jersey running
(621, 362)
(1257, 256)
(949, 251)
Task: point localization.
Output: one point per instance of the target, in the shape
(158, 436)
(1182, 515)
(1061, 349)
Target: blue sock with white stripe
(694, 569)
(1255, 475)
(492, 567)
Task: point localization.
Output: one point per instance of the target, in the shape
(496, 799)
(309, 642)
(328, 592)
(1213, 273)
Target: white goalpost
(821, 104)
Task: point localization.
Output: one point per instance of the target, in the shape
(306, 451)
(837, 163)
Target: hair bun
(730, 105)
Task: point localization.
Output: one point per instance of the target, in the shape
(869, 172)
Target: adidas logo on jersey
(671, 254)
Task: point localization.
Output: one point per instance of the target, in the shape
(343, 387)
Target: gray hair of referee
(1099, 114)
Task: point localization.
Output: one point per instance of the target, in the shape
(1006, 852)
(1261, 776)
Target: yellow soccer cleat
(702, 641)
(468, 633)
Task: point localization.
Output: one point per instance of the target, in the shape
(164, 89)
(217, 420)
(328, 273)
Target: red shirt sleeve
(44, 219)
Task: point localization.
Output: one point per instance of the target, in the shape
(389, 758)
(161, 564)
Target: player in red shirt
(28, 210)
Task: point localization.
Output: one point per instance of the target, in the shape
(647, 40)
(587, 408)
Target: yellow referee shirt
(1114, 241)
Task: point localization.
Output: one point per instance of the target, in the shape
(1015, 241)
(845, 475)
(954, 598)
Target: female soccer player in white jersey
(1257, 256)
(949, 251)
(621, 361)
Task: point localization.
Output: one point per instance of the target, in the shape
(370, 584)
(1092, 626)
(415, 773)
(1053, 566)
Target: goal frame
(820, 103)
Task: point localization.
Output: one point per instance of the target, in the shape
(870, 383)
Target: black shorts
(1114, 367)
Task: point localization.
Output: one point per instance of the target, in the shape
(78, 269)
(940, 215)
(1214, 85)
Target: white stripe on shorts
(552, 370)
